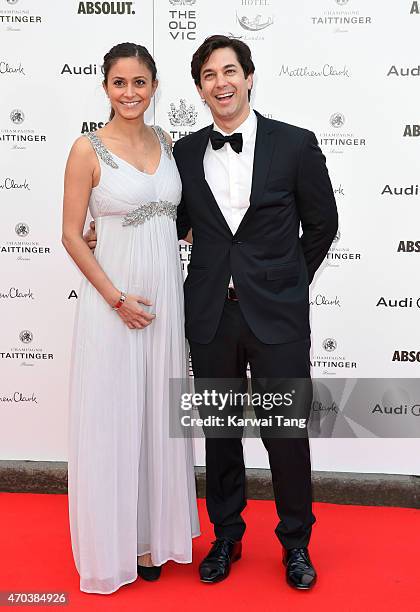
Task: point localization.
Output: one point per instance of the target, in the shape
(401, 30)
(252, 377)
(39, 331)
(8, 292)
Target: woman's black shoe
(149, 573)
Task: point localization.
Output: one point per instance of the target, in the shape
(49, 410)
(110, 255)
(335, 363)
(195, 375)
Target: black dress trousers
(227, 357)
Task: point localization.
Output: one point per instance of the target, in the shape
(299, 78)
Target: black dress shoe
(216, 566)
(149, 573)
(300, 573)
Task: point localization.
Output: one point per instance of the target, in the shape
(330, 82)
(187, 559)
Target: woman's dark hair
(127, 50)
(218, 41)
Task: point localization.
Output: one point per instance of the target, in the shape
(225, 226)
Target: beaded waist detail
(147, 211)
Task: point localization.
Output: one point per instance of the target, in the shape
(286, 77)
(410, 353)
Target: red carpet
(367, 560)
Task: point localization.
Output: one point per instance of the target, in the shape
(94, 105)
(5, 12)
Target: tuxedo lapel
(200, 178)
(264, 147)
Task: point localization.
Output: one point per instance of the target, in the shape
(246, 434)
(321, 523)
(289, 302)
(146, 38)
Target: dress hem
(134, 579)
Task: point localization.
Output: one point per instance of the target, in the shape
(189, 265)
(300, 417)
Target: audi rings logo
(22, 229)
(12, 1)
(26, 336)
(337, 120)
(329, 344)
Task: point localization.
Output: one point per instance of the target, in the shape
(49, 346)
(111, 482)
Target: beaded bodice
(136, 196)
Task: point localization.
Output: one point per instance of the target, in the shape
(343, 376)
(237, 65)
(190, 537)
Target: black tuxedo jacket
(270, 265)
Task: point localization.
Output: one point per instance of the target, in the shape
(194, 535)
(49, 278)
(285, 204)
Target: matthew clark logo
(18, 16)
(182, 20)
(325, 71)
(13, 293)
(341, 17)
(9, 68)
(25, 353)
(9, 183)
(20, 137)
(339, 138)
(322, 300)
(18, 397)
(24, 250)
(329, 361)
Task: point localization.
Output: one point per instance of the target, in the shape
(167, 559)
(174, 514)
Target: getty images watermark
(279, 408)
(209, 399)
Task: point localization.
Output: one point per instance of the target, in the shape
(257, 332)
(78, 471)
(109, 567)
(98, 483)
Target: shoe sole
(207, 581)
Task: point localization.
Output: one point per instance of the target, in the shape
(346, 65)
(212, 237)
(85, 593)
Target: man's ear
(200, 92)
(250, 81)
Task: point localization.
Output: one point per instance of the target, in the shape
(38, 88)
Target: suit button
(236, 242)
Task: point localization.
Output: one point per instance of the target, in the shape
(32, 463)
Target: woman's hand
(133, 315)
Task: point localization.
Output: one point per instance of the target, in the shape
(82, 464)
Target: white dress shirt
(229, 174)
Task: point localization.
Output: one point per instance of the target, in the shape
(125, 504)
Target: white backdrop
(346, 69)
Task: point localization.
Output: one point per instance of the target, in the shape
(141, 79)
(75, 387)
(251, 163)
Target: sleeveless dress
(131, 486)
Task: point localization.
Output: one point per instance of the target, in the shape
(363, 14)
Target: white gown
(131, 486)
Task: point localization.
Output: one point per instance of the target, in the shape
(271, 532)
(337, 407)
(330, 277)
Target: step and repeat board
(349, 70)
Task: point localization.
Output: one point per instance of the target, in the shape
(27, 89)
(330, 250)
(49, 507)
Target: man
(248, 183)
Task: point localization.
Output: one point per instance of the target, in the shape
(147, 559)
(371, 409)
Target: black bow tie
(218, 140)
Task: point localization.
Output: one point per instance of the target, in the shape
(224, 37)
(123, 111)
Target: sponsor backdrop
(327, 65)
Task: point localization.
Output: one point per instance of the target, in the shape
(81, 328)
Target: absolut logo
(330, 361)
(339, 139)
(411, 131)
(106, 8)
(408, 246)
(341, 20)
(182, 23)
(339, 253)
(23, 249)
(24, 354)
(9, 183)
(409, 190)
(89, 70)
(8, 69)
(20, 137)
(17, 397)
(325, 71)
(406, 356)
(404, 72)
(13, 293)
(15, 19)
(92, 126)
(406, 302)
(182, 116)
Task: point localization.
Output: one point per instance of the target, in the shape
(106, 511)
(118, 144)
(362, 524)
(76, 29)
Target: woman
(131, 486)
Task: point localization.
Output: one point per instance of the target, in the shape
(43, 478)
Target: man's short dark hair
(218, 41)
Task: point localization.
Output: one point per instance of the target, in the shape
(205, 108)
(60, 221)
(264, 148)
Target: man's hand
(90, 237)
